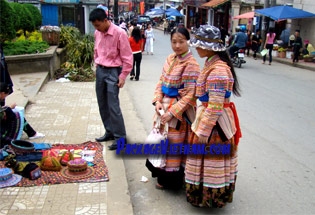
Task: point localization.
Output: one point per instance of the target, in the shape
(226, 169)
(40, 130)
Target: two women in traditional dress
(210, 178)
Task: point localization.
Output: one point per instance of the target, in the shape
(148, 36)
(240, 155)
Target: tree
(18, 12)
(27, 22)
(35, 14)
(7, 31)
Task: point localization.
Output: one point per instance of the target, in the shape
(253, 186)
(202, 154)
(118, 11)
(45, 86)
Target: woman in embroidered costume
(210, 178)
(179, 73)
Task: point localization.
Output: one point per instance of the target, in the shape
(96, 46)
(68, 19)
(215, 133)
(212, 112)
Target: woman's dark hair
(4, 88)
(97, 14)
(182, 31)
(136, 34)
(225, 57)
(271, 30)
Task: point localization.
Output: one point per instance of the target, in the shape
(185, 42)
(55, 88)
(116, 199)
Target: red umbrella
(248, 15)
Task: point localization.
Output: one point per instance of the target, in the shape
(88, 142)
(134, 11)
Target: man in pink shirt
(114, 60)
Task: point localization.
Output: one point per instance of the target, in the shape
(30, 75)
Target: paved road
(276, 153)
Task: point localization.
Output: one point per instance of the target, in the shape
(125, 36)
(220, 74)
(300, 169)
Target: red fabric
(135, 47)
(238, 133)
(231, 105)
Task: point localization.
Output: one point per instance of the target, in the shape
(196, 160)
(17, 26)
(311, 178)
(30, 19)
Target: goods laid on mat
(51, 164)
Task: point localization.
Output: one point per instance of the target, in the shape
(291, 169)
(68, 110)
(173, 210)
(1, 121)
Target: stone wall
(42, 62)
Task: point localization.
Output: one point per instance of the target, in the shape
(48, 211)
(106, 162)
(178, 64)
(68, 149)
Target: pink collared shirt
(112, 49)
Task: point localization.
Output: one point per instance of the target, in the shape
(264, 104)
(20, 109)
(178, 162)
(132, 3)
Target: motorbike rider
(239, 41)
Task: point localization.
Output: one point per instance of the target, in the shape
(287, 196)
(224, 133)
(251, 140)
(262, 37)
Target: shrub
(7, 30)
(18, 11)
(80, 49)
(37, 17)
(24, 47)
(27, 20)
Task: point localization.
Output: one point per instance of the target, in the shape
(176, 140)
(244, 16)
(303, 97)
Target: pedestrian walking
(143, 37)
(248, 43)
(149, 35)
(256, 43)
(179, 74)
(210, 178)
(297, 45)
(136, 45)
(113, 59)
(165, 26)
(224, 33)
(270, 38)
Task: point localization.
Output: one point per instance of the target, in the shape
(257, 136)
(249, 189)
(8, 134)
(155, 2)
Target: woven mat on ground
(100, 171)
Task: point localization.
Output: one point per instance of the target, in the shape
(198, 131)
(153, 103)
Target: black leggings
(136, 65)
(269, 47)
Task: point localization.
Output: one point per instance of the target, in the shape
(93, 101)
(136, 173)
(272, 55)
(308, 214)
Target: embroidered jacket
(179, 72)
(214, 86)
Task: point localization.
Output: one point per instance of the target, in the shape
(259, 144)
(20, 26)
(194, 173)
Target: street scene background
(276, 153)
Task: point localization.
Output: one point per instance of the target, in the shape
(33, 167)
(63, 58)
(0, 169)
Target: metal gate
(50, 14)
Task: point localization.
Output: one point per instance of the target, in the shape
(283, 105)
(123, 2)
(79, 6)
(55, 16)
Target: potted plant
(282, 52)
(51, 34)
(274, 52)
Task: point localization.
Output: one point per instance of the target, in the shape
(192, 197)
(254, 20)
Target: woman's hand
(203, 139)
(166, 117)
(158, 107)
(182, 92)
(13, 105)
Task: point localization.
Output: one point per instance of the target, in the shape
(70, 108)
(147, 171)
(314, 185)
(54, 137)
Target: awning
(248, 15)
(214, 3)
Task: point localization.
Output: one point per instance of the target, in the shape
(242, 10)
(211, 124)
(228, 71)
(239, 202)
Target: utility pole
(265, 24)
(116, 21)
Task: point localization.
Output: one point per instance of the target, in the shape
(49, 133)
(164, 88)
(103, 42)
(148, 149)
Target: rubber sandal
(159, 187)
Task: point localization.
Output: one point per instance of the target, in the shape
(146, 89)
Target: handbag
(155, 137)
(264, 52)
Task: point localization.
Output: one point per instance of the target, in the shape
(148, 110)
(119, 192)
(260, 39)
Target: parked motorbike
(238, 60)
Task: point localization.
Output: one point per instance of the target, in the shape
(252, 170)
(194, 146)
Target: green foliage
(33, 36)
(80, 49)
(24, 47)
(36, 15)
(68, 34)
(75, 74)
(26, 22)
(282, 49)
(18, 14)
(7, 30)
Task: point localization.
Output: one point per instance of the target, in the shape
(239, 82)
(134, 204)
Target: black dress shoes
(106, 137)
(121, 142)
(113, 146)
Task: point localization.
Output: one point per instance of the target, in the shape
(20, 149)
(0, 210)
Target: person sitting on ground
(13, 122)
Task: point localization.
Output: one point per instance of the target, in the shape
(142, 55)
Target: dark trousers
(136, 65)
(255, 48)
(269, 47)
(107, 93)
(28, 129)
(232, 51)
(296, 54)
